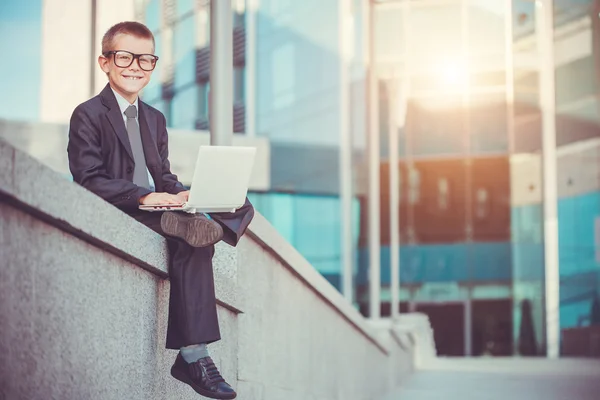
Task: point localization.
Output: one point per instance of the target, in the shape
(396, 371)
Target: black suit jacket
(100, 156)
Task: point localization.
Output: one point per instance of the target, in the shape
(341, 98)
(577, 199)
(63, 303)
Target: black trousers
(192, 301)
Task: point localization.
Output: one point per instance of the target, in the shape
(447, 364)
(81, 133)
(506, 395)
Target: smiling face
(128, 82)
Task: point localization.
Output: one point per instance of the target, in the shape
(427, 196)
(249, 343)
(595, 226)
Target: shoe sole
(196, 232)
(182, 376)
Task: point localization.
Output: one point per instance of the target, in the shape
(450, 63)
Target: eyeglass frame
(133, 58)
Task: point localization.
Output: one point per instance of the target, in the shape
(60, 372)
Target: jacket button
(129, 170)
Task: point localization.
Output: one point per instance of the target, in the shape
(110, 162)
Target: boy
(118, 149)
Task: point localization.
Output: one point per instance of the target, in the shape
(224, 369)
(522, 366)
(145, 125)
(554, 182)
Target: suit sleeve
(87, 165)
(170, 182)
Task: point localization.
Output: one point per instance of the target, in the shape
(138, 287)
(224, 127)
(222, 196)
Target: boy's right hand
(160, 199)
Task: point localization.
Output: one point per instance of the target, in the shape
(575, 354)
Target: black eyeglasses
(123, 59)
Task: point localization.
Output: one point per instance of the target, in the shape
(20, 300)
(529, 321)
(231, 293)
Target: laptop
(220, 182)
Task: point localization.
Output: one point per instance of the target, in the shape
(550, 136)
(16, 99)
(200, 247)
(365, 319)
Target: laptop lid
(221, 177)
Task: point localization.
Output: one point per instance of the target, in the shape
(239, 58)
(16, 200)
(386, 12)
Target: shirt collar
(123, 104)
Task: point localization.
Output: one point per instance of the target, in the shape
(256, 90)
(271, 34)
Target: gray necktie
(140, 173)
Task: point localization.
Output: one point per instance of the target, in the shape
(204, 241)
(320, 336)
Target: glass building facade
(21, 79)
(182, 33)
(470, 128)
(472, 220)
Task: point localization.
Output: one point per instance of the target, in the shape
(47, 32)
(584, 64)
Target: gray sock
(194, 352)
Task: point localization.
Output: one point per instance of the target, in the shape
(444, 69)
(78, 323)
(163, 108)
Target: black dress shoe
(195, 229)
(203, 376)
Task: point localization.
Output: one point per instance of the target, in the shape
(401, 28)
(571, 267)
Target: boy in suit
(118, 149)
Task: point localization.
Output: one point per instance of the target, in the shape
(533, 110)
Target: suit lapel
(116, 119)
(148, 132)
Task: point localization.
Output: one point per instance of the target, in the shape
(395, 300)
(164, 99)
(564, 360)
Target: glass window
(239, 75)
(566, 11)
(163, 107)
(283, 69)
(153, 15)
(434, 48)
(202, 27)
(486, 21)
(20, 82)
(437, 126)
(575, 80)
(523, 18)
(152, 91)
(202, 106)
(239, 9)
(184, 109)
(390, 40)
(487, 123)
(184, 6)
(184, 52)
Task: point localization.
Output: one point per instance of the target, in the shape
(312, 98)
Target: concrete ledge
(28, 185)
(265, 234)
(417, 333)
(83, 275)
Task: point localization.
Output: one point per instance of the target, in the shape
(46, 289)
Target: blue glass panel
(311, 224)
(152, 92)
(184, 6)
(152, 16)
(162, 106)
(184, 108)
(21, 21)
(566, 11)
(184, 52)
(577, 247)
(459, 262)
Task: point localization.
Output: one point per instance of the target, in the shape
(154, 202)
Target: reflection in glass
(152, 17)
(183, 108)
(184, 6)
(184, 52)
(152, 91)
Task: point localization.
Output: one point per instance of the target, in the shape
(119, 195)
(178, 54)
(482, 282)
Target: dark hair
(128, 28)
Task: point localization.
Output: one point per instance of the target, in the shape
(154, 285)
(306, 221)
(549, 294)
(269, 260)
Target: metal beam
(251, 53)
(394, 177)
(545, 34)
(345, 166)
(221, 73)
(374, 175)
(93, 55)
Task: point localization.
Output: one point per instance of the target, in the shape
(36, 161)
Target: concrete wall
(83, 307)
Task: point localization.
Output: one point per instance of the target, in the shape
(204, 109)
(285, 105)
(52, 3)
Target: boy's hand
(160, 199)
(185, 195)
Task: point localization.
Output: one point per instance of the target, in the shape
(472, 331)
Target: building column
(394, 124)
(510, 73)
(345, 154)
(221, 73)
(399, 95)
(545, 41)
(468, 323)
(373, 156)
(251, 52)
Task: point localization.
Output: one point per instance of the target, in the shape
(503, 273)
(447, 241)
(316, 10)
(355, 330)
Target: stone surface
(310, 349)
(416, 327)
(225, 267)
(70, 319)
(85, 215)
(84, 300)
(266, 235)
(501, 379)
(6, 164)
